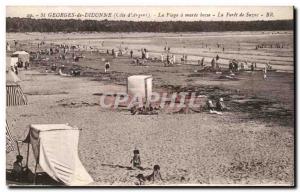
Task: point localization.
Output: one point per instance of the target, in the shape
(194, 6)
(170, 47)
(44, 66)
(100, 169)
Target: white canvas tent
(11, 62)
(12, 77)
(22, 55)
(55, 148)
(140, 85)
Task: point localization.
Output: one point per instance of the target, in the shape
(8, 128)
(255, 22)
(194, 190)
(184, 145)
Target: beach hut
(55, 149)
(140, 85)
(11, 62)
(22, 56)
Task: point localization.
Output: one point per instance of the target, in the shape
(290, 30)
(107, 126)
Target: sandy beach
(252, 143)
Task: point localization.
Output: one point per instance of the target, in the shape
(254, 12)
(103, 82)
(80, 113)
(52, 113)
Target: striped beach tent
(15, 95)
(9, 140)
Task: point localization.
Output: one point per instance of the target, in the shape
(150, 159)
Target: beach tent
(11, 62)
(55, 149)
(12, 77)
(14, 93)
(140, 85)
(23, 56)
(9, 139)
(14, 97)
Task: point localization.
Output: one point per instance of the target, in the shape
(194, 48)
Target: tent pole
(27, 158)
(18, 147)
(34, 179)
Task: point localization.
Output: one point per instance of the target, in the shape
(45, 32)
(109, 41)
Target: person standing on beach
(168, 59)
(16, 69)
(213, 63)
(107, 66)
(202, 62)
(252, 67)
(174, 59)
(131, 54)
(162, 57)
(265, 72)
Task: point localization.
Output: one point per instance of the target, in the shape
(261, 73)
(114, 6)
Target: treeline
(72, 25)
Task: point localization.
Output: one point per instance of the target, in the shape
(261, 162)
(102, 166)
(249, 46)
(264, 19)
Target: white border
(102, 3)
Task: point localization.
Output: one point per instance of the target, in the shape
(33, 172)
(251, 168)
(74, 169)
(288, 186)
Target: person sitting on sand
(220, 106)
(136, 160)
(107, 66)
(155, 176)
(133, 110)
(18, 170)
(138, 61)
(210, 106)
(182, 59)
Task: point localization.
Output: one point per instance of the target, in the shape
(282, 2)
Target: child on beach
(136, 160)
(154, 176)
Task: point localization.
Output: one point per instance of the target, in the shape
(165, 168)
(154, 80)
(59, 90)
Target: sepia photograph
(150, 96)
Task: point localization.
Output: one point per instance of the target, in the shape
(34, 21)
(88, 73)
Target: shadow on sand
(125, 167)
(42, 178)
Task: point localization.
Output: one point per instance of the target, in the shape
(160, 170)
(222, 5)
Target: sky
(154, 13)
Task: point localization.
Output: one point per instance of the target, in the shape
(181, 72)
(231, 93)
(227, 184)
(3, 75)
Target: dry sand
(247, 145)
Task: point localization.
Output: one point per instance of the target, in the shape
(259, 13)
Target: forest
(16, 24)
